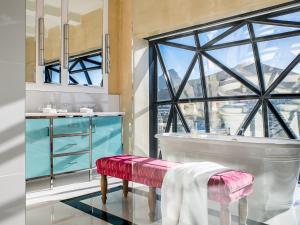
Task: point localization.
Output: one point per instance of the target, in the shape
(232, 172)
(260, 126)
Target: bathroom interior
(144, 112)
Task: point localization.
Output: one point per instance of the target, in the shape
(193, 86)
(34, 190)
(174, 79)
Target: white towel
(184, 193)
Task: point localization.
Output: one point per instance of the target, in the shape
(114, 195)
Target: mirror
(52, 41)
(30, 41)
(85, 42)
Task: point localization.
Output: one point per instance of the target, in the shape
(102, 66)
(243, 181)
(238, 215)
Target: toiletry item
(62, 111)
(86, 110)
(49, 110)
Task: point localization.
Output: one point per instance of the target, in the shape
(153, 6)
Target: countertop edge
(66, 115)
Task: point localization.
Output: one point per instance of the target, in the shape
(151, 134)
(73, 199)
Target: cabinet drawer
(71, 163)
(70, 144)
(70, 125)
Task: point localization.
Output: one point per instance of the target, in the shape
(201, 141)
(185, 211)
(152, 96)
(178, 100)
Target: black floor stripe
(115, 220)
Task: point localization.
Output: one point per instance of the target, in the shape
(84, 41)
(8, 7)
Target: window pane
(194, 115)
(220, 83)
(180, 127)
(290, 84)
(76, 67)
(275, 129)
(289, 109)
(255, 128)
(163, 112)
(209, 35)
(96, 58)
(240, 60)
(96, 77)
(264, 30)
(51, 76)
(288, 17)
(188, 40)
(229, 114)
(80, 78)
(276, 55)
(89, 65)
(163, 93)
(238, 35)
(177, 62)
(193, 87)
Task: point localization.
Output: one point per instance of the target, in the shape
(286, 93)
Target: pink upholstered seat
(224, 187)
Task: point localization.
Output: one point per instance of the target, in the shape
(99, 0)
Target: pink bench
(225, 187)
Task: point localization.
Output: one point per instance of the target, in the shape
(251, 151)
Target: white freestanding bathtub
(273, 162)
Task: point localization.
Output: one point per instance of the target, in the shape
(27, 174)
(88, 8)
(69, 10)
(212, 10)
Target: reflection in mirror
(30, 41)
(85, 42)
(86, 70)
(52, 73)
(52, 14)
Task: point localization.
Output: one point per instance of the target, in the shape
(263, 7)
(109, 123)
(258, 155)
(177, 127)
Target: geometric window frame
(262, 94)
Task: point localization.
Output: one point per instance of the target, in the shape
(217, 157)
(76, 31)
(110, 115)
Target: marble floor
(82, 206)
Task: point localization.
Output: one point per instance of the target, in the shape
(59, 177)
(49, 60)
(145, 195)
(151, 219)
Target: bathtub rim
(232, 139)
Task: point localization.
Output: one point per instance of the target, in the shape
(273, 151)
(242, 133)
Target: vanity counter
(72, 114)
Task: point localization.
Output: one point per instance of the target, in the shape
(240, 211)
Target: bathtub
(273, 162)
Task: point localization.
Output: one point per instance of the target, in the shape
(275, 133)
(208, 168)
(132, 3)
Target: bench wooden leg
(243, 211)
(152, 203)
(103, 184)
(225, 215)
(125, 188)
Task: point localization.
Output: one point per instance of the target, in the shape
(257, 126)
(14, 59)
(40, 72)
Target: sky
(276, 53)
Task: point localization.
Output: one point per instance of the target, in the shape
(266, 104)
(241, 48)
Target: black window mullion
(257, 59)
(283, 74)
(275, 22)
(73, 65)
(92, 61)
(73, 80)
(223, 35)
(231, 73)
(277, 36)
(176, 45)
(265, 118)
(181, 117)
(203, 85)
(165, 72)
(170, 119)
(174, 127)
(186, 77)
(248, 119)
(283, 124)
(87, 76)
(153, 151)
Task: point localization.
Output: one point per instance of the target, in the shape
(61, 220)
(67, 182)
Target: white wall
(12, 107)
(141, 97)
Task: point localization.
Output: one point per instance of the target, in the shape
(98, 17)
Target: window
(83, 70)
(243, 76)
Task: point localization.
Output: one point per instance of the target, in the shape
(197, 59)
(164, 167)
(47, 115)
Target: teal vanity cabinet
(37, 148)
(71, 144)
(106, 137)
(59, 145)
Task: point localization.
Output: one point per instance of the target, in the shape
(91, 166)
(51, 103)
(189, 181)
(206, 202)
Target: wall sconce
(66, 46)
(107, 54)
(41, 32)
